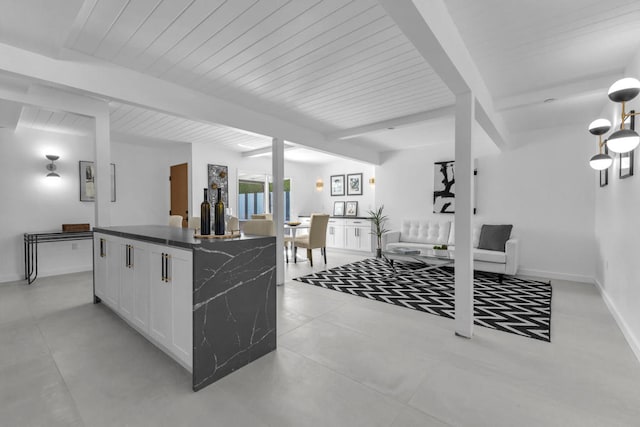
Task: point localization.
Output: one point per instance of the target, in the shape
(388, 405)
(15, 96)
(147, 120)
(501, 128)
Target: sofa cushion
(489, 256)
(494, 237)
(425, 231)
(475, 234)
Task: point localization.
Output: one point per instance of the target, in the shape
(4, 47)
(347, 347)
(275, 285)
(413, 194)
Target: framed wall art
(338, 208)
(354, 184)
(337, 185)
(351, 209)
(87, 176)
(444, 180)
(218, 177)
(627, 159)
(604, 174)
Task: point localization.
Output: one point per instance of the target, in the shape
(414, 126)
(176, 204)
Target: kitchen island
(209, 304)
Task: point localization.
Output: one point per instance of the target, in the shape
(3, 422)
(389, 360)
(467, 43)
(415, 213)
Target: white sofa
(427, 233)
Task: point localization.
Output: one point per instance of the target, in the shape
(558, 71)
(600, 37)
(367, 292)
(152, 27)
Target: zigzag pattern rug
(518, 306)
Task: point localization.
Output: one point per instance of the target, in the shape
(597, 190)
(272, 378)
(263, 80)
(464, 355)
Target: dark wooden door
(180, 192)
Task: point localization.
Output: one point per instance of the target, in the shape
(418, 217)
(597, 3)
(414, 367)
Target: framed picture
(626, 165)
(87, 181)
(604, 174)
(337, 185)
(338, 208)
(351, 209)
(354, 184)
(626, 159)
(444, 188)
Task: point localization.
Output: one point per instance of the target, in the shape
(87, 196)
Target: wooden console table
(31, 241)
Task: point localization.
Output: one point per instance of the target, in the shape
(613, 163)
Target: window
(253, 199)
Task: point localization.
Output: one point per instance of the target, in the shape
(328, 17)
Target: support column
(463, 215)
(103, 169)
(277, 170)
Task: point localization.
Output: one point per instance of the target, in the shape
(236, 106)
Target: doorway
(179, 180)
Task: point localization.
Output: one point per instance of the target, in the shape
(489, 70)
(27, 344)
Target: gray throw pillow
(494, 237)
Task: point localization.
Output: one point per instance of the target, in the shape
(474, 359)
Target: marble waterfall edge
(234, 306)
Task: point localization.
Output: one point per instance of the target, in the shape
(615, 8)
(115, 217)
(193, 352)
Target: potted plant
(441, 250)
(378, 219)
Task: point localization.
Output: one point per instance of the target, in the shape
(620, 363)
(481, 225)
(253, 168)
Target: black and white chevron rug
(518, 306)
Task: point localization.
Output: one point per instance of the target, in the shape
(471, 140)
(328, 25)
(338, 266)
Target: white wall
(542, 187)
(303, 176)
(345, 167)
(617, 229)
(33, 203)
(143, 187)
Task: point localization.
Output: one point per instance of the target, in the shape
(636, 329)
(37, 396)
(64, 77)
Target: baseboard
(633, 341)
(555, 275)
(53, 272)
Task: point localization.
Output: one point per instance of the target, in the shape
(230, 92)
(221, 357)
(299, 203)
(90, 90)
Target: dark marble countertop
(170, 236)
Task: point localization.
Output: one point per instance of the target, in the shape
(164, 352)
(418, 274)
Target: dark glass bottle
(218, 215)
(205, 215)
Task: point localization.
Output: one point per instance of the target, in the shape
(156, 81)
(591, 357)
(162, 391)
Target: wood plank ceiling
(329, 65)
(136, 121)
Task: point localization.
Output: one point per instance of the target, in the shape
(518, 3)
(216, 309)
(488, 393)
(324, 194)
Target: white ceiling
(332, 65)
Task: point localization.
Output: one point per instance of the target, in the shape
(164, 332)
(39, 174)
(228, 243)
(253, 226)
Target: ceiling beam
(97, 78)
(267, 150)
(431, 30)
(392, 123)
(586, 86)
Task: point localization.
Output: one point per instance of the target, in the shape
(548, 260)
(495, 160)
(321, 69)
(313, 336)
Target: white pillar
(103, 169)
(277, 171)
(463, 215)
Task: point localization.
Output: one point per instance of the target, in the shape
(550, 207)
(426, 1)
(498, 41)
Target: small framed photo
(351, 209)
(626, 159)
(88, 184)
(604, 174)
(337, 185)
(338, 208)
(626, 165)
(354, 184)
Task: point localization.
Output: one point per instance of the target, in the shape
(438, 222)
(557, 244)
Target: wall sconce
(51, 167)
(319, 185)
(372, 181)
(622, 140)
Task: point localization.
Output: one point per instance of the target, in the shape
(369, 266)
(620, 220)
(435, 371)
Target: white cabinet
(151, 287)
(107, 269)
(99, 265)
(335, 233)
(358, 235)
(134, 283)
(347, 233)
(171, 300)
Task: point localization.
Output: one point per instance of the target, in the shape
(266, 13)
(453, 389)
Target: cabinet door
(181, 283)
(127, 282)
(331, 236)
(100, 264)
(114, 263)
(364, 238)
(160, 307)
(351, 240)
(140, 265)
(134, 283)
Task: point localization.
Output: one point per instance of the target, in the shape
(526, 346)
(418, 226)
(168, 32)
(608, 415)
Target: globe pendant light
(624, 140)
(600, 161)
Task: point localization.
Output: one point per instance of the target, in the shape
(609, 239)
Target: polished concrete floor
(341, 361)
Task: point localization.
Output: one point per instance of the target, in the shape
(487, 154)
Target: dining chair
(259, 227)
(194, 222)
(175, 221)
(316, 239)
